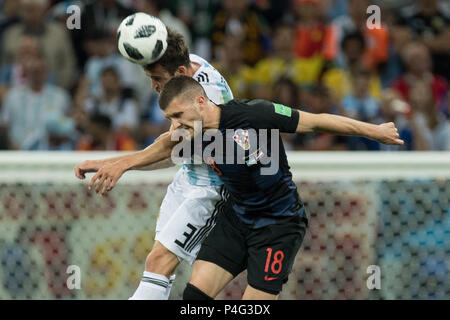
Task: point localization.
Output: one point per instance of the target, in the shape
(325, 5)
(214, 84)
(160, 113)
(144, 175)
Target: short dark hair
(177, 86)
(101, 120)
(356, 35)
(176, 55)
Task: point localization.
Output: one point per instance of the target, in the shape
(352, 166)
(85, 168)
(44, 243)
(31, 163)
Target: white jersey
(219, 92)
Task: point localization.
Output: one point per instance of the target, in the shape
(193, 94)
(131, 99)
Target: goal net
(379, 228)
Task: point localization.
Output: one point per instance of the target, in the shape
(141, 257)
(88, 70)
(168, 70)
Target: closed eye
(175, 115)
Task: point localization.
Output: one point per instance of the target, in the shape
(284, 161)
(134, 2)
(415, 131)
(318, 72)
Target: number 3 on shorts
(275, 264)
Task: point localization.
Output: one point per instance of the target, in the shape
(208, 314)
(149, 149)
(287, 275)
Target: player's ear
(200, 100)
(181, 71)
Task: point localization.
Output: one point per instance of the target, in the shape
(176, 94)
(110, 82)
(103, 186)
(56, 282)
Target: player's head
(33, 12)
(175, 61)
(183, 101)
(110, 80)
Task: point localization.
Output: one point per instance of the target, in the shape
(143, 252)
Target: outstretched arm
(95, 165)
(167, 163)
(385, 133)
(108, 174)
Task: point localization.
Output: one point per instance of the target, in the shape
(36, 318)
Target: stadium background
(65, 90)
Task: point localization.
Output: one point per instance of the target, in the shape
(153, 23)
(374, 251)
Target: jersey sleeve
(263, 114)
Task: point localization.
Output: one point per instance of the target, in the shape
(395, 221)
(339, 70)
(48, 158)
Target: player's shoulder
(206, 73)
(247, 104)
(243, 109)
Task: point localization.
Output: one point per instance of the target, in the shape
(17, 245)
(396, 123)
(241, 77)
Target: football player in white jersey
(189, 209)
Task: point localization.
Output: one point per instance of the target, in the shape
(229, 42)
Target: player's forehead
(176, 105)
(157, 70)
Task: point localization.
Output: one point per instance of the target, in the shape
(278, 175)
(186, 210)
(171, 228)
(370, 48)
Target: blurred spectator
(361, 106)
(99, 136)
(13, 74)
(236, 19)
(54, 39)
(35, 113)
(286, 92)
(59, 11)
(431, 26)
(395, 109)
(60, 14)
(399, 36)
(273, 11)
(231, 66)
(152, 122)
(103, 15)
(313, 35)
(419, 68)
(336, 8)
(319, 99)
(283, 62)
(377, 39)
(340, 80)
(103, 53)
(115, 103)
(9, 14)
(316, 54)
(158, 9)
(198, 15)
(431, 129)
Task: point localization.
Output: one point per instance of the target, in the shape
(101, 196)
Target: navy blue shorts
(267, 253)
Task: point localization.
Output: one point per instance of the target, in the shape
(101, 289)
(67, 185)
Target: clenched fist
(387, 133)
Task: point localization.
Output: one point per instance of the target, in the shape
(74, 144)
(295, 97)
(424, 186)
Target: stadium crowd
(70, 89)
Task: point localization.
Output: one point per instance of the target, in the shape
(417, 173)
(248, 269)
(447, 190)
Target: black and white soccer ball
(142, 38)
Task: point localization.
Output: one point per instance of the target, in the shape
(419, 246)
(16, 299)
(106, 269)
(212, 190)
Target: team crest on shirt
(241, 138)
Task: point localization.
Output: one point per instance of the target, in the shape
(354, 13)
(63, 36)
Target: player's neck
(193, 67)
(211, 118)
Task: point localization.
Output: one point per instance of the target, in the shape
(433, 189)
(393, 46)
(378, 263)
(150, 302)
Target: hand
(168, 133)
(387, 133)
(107, 175)
(87, 166)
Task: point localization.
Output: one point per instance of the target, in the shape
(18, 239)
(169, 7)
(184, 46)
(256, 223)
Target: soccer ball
(142, 38)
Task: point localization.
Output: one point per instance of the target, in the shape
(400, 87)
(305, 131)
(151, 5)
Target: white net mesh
(388, 210)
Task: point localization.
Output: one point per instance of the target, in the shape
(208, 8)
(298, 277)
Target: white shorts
(187, 215)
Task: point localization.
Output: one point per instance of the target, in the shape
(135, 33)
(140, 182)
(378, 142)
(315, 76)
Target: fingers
(100, 183)
(79, 173)
(94, 178)
(106, 186)
(104, 182)
(399, 141)
(113, 183)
